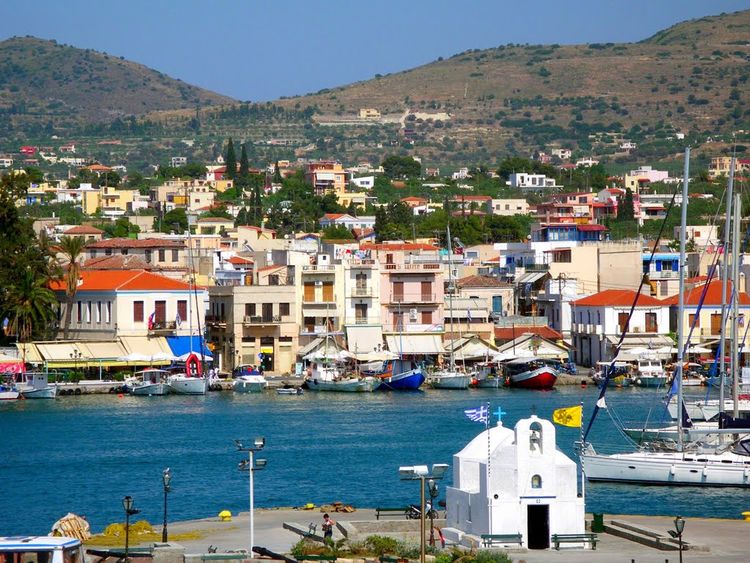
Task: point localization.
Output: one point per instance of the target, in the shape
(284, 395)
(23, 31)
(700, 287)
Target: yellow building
(369, 113)
(326, 177)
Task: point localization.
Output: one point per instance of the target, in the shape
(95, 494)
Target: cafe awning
(415, 344)
(364, 338)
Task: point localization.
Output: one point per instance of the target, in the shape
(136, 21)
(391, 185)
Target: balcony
(261, 320)
(162, 328)
(316, 300)
(418, 298)
(362, 292)
(429, 267)
(362, 264)
(215, 320)
(318, 268)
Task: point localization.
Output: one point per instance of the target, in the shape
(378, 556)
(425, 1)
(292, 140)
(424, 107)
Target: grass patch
(140, 532)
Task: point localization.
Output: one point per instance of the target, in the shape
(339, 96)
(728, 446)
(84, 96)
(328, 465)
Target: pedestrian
(328, 524)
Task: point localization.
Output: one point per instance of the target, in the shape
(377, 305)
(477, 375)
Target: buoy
(746, 516)
(225, 516)
(120, 395)
(583, 383)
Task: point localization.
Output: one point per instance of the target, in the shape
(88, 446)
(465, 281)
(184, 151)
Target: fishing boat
(530, 373)
(149, 383)
(331, 377)
(451, 377)
(401, 375)
(620, 376)
(9, 392)
(650, 372)
(488, 376)
(692, 463)
(35, 385)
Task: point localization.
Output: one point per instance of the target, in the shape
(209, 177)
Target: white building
(562, 154)
(554, 303)
(586, 162)
(346, 220)
(524, 485)
(527, 181)
(178, 161)
(364, 182)
(462, 174)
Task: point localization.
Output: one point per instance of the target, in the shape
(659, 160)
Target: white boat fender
(672, 470)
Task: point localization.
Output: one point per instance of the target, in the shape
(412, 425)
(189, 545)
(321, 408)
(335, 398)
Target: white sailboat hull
(346, 385)
(669, 468)
(706, 410)
(182, 385)
(449, 380)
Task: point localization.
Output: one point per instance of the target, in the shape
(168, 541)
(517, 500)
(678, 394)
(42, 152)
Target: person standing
(328, 524)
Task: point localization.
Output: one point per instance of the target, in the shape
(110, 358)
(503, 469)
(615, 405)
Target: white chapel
(514, 482)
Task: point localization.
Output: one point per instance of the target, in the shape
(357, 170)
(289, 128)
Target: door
(398, 292)
(538, 526)
(427, 292)
(267, 312)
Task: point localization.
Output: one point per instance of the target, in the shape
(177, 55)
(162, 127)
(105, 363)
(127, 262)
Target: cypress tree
(231, 160)
(244, 165)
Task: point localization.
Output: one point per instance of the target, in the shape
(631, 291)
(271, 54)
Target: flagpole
(580, 456)
(489, 471)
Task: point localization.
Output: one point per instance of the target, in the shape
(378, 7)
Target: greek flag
(480, 414)
(178, 320)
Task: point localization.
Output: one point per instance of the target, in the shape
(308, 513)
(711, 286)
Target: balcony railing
(314, 300)
(313, 268)
(215, 319)
(414, 268)
(162, 326)
(362, 292)
(417, 298)
(261, 319)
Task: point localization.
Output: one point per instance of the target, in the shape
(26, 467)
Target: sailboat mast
(681, 298)
(734, 358)
(724, 280)
(450, 295)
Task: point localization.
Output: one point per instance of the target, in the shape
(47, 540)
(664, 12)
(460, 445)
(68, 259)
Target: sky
(258, 50)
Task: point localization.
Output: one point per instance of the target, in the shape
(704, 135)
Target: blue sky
(262, 49)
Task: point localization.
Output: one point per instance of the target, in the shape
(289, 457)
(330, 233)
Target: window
(124, 251)
(622, 321)
(284, 309)
(162, 255)
(536, 482)
(267, 312)
(182, 309)
(108, 252)
(694, 320)
(175, 255)
(88, 312)
(79, 317)
(160, 308)
(535, 438)
(108, 313)
(138, 311)
(651, 325)
(360, 312)
(148, 256)
(250, 309)
(273, 279)
(426, 317)
(716, 323)
(98, 311)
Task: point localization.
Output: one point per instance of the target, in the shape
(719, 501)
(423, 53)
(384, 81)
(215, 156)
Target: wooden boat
(149, 383)
(35, 385)
(530, 373)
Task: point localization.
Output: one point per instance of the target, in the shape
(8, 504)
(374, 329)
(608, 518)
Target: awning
(364, 338)
(318, 343)
(651, 341)
(406, 344)
(470, 348)
(101, 350)
(181, 345)
(531, 277)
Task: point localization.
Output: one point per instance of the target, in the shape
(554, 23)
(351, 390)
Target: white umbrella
(666, 350)
(376, 356)
(697, 349)
(134, 357)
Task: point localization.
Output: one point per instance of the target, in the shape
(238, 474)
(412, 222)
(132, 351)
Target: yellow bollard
(746, 516)
(225, 516)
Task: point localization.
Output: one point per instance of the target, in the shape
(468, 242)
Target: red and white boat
(530, 373)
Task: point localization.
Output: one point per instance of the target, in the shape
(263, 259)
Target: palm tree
(31, 305)
(72, 249)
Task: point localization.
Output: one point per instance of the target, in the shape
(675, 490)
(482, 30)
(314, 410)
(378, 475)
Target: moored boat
(149, 383)
(9, 393)
(331, 378)
(36, 386)
(530, 373)
(287, 389)
(250, 383)
(449, 379)
(192, 381)
(401, 375)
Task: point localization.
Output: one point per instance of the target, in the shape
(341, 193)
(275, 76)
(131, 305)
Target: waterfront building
(514, 482)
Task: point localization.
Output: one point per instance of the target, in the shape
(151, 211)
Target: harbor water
(84, 454)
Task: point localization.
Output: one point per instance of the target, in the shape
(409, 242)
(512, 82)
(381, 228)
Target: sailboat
(329, 373)
(450, 378)
(693, 463)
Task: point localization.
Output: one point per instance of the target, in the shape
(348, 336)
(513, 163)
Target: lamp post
(75, 355)
(166, 477)
(423, 473)
(251, 465)
(679, 527)
(432, 488)
(127, 504)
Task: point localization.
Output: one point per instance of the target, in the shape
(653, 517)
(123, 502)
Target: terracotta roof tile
(398, 246)
(713, 295)
(617, 298)
(481, 281)
(117, 262)
(83, 230)
(511, 333)
(137, 243)
(123, 280)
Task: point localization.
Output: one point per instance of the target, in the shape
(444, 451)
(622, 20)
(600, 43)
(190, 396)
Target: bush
(380, 545)
(487, 556)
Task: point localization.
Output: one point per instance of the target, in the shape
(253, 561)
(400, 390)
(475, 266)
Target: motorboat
(488, 376)
(650, 373)
(449, 379)
(149, 382)
(330, 377)
(709, 409)
(287, 389)
(35, 385)
(620, 376)
(250, 383)
(51, 549)
(9, 392)
(530, 373)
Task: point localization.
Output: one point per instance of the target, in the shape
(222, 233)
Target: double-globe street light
(166, 478)
(251, 465)
(679, 527)
(127, 504)
(422, 473)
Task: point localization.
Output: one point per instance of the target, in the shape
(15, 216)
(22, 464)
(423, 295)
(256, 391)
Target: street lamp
(127, 504)
(432, 489)
(76, 355)
(423, 473)
(679, 526)
(166, 477)
(251, 465)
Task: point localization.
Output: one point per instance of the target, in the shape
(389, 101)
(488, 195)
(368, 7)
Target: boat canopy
(182, 345)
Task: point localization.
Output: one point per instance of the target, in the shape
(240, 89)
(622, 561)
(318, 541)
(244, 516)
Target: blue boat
(401, 375)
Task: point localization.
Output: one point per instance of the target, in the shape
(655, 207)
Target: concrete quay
(709, 539)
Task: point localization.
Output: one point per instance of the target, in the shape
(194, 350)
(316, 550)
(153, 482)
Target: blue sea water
(84, 454)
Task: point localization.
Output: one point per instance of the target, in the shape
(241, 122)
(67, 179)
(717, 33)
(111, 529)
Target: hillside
(46, 82)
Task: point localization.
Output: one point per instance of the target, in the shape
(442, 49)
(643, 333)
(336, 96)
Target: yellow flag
(569, 416)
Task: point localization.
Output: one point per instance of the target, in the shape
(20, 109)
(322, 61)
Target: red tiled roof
(137, 243)
(333, 216)
(713, 295)
(398, 246)
(123, 280)
(481, 281)
(413, 198)
(83, 230)
(511, 333)
(617, 298)
(117, 262)
(696, 279)
(239, 260)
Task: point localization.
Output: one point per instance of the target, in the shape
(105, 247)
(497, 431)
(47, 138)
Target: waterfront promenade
(725, 539)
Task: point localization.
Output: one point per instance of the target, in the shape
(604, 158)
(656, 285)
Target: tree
(337, 232)
(175, 220)
(396, 167)
(244, 165)
(31, 306)
(626, 212)
(230, 161)
(111, 179)
(72, 249)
